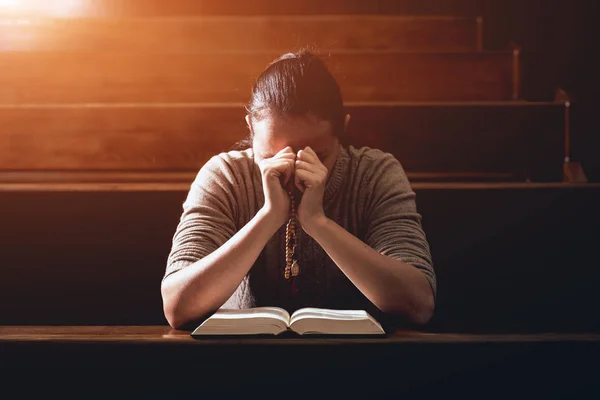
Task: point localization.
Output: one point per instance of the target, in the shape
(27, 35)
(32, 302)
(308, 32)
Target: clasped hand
(303, 170)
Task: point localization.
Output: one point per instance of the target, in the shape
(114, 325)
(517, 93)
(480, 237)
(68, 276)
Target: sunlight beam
(43, 8)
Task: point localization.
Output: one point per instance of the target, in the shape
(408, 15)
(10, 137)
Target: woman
(358, 238)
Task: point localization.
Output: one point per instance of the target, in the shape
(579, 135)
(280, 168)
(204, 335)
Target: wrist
(267, 217)
(316, 224)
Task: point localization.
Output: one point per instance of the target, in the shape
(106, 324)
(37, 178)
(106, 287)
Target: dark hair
(295, 85)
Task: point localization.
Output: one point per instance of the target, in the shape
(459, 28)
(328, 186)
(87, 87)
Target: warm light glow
(48, 8)
(9, 3)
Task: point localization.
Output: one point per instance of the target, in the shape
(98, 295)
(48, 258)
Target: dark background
(560, 47)
(559, 42)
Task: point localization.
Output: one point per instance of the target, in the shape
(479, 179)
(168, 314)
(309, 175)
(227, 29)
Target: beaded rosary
(292, 269)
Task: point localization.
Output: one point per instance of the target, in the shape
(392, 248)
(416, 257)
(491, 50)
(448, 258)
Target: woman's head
(296, 102)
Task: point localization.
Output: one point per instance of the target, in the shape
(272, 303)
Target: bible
(275, 320)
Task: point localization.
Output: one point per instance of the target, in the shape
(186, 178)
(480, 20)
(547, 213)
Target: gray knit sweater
(367, 193)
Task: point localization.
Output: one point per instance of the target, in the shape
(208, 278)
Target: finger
(288, 156)
(288, 172)
(307, 166)
(306, 155)
(308, 179)
(310, 150)
(299, 183)
(282, 168)
(274, 163)
(287, 149)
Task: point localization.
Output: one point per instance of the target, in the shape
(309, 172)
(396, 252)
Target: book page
(259, 320)
(329, 314)
(258, 312)
(328, 321)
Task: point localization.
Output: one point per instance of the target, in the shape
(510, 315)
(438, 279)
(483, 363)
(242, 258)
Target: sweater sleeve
(392, 221)
(208, 218)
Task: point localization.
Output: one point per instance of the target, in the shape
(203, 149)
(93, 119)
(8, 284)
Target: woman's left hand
(310, 178)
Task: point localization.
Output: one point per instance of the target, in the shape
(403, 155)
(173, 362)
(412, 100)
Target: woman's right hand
(277, 172)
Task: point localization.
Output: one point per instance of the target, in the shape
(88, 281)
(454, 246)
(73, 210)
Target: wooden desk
(165, 335)
(157, 359)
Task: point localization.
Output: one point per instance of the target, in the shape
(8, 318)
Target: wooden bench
(79, 77)
(460, 141)
(509, 257)
(146, 8)
(278, 33)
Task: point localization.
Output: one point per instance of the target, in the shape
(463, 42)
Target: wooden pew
(499, 141)
(75, 77)
(104, 8)
(155, 361)
(509, 257)
(276, 33)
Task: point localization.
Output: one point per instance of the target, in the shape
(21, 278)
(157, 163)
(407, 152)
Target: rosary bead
(291, 268)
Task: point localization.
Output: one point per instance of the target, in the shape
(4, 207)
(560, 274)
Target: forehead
(274, 134)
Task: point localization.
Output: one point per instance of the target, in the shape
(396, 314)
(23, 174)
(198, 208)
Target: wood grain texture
(153, 185)
(146, 8)
(117, 138)
(174, 365)
(278, 33)
(455, 7)
(91, 177)
(67, 77)
(460, 140)
(165, 335)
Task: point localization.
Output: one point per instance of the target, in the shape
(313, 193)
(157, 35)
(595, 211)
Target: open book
(275, 320)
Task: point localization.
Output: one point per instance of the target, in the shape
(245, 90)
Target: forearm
(392, 285)
(204, 286)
